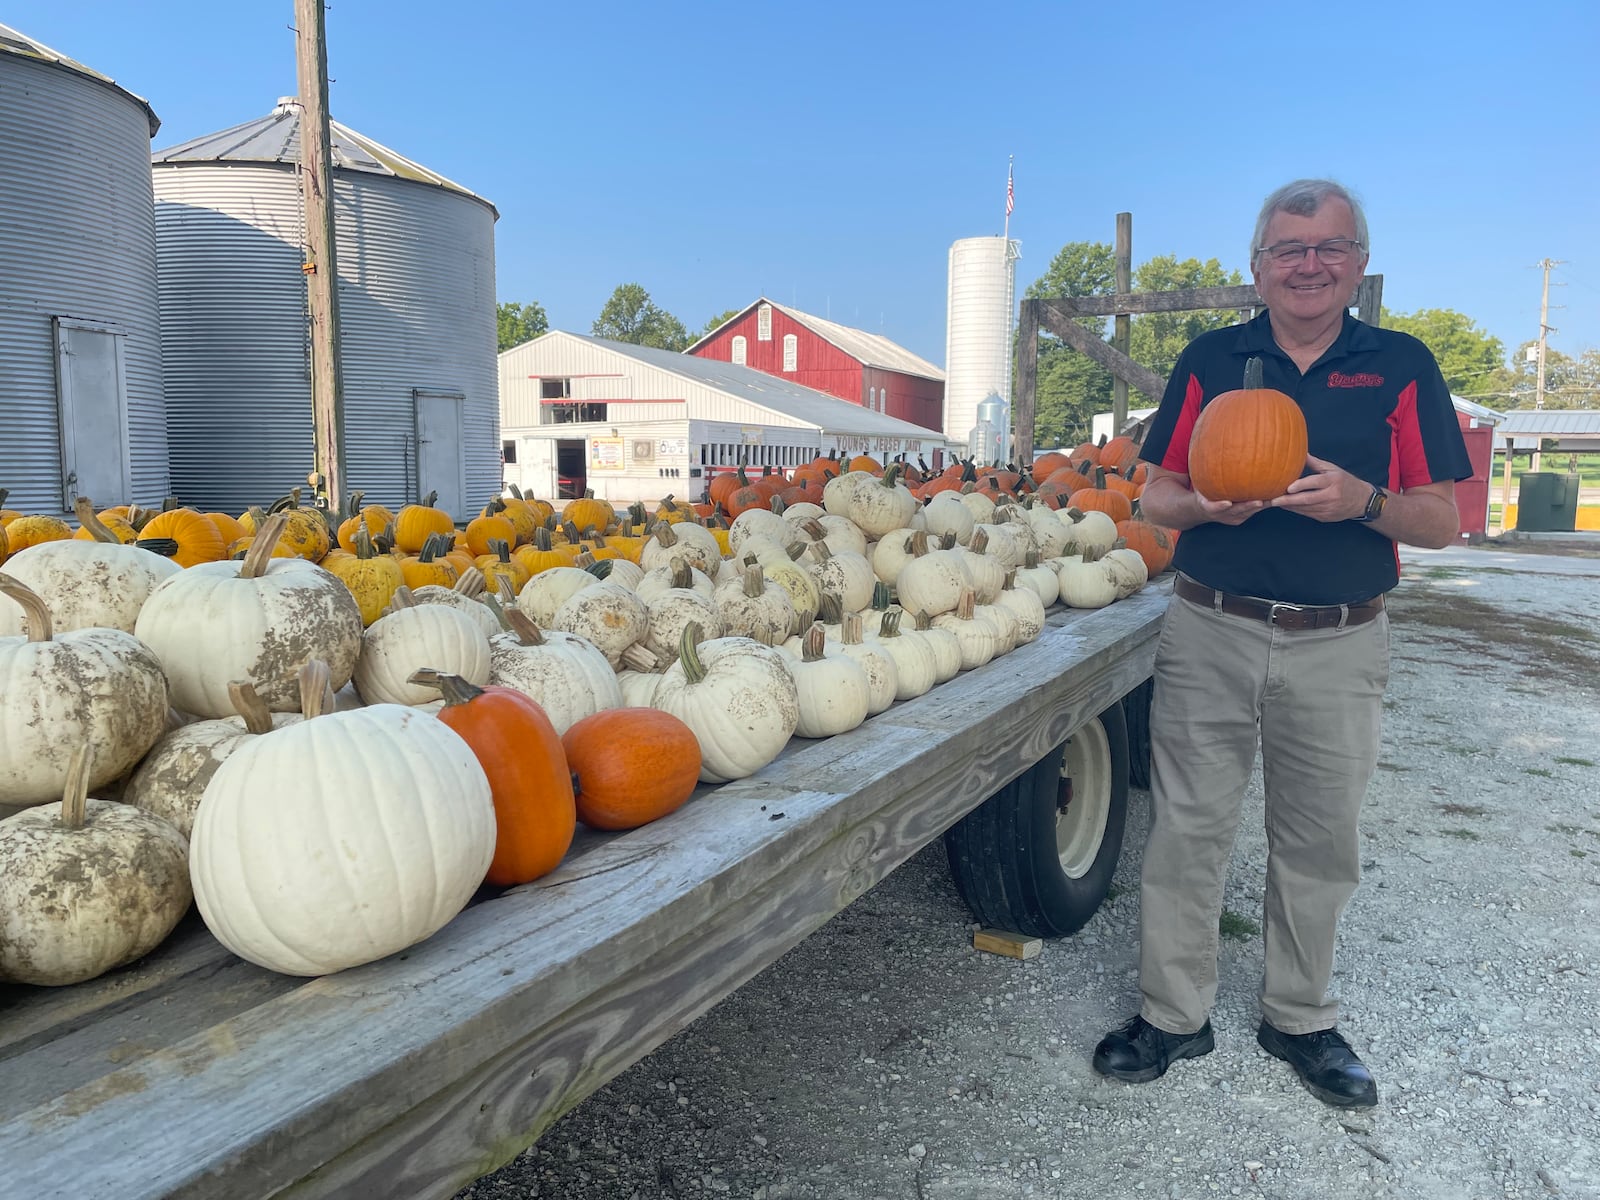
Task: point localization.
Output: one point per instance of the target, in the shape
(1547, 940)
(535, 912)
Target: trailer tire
(1136, 712)
(1038, 856)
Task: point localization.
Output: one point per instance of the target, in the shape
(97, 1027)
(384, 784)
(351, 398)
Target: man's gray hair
(1303, 198)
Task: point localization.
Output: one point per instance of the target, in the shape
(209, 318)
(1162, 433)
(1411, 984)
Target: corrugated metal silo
(977, 348)
(416, 308)
(80, 347)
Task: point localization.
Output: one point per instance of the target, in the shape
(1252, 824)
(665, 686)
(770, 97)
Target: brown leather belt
(1278, 613)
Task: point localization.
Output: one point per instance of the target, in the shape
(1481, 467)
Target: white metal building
(416, 309)
(80, 345)
(978, 330)
(635, 423)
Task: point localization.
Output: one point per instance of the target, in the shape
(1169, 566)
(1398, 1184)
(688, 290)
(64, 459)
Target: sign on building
(605, 454)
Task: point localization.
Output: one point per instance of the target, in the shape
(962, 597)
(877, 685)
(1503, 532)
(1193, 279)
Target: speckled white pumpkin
(565, 674)
(341, 840)
(739, 699)
(85, 584)
(405, 641)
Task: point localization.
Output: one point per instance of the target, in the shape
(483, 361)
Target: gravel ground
(885, 1058)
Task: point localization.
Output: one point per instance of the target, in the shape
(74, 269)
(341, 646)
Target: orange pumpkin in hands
(521, 753)
(632, 766)
(1248, 445)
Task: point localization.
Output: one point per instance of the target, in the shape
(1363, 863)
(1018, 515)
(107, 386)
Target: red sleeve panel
(1177, 456)
(1167, 443)
(1408, 461)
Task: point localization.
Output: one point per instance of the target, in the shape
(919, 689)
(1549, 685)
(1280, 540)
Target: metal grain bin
(417, 309)
(80, 350)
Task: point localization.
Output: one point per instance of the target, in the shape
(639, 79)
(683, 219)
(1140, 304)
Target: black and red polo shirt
(1375, 404)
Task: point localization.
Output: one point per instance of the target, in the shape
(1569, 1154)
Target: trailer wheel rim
(1083, 803)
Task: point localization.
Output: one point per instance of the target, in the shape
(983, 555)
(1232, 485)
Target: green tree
(1568, 382)
(631, 316)
(718, 321)
(521, 323)
(1471, 360)
(1156, 339)
(1071, 388)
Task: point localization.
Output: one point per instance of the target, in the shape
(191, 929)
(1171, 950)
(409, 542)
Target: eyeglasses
(1330, 253)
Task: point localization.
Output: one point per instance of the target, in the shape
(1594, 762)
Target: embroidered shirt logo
(1360, 379)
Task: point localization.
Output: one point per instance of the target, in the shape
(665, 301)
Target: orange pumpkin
(1249, 444)
(1150, 542)
(198, 540)
(586, 511)
(520, 751)
(632, 766)
(492, 528)
(1048, 463)
(1109, 501)
(414, 522)
(1119, 455)
(865, 462)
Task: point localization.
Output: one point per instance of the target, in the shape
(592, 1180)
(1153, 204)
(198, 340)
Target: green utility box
(1547, 502)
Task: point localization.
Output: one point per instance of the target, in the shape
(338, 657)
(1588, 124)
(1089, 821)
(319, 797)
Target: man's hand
(1229, 512)
(1329, 494)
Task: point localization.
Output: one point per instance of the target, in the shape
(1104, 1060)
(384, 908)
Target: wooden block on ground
(1012, 945)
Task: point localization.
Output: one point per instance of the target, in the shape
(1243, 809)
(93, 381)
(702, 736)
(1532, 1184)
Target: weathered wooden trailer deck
(196, 1074)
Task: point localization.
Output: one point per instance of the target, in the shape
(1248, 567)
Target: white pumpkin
(672, 611)
(831, 687)
(882, 679)
(945, 645)
(620, 570)
(87, 887)
(986, 571)
(1091, 532)
(173, 776)
(1128, 570)
(85, 584)
(1026, 606)
(677, 574)
(932, 582)
(838, 494)
(758, 522)
(839, 533)
(1005, 542)
(886, 504)
(975, 632)
(893, 551)
(686, 540)
(1039, 579)
(638, 688)
(100, 688)
(414, 636)
(916, 667)
(802, 589)
(465, 596)
(803, 511)
(755, 607)
(1049, 534)
(1008, 631)
(739, 699)
(550, 589)
(342, 840)
(609, 615)
(945, 513)
(848, 576)
(565, 674)
(1084, 584)
(259, 620)
(980, 506)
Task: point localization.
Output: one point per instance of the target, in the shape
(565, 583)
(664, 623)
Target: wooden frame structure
(1060, 317)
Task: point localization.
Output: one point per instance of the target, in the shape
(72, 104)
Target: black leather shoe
(1325, 1063)
(1139, 1052)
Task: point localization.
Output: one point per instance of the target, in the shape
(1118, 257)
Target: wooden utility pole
(321, 264)
(1121, 329)
(1544, 332)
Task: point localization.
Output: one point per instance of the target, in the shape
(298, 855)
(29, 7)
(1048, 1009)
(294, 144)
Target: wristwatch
(1374, 505)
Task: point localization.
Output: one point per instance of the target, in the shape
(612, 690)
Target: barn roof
(770, 392)
(869, 349)
(275, 138)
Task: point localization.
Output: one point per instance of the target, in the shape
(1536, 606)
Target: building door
(572, 469)
(92, 399)
(536, 468)
(441, 465)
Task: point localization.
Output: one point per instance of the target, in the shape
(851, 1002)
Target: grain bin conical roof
(13, 41)
(275, 138)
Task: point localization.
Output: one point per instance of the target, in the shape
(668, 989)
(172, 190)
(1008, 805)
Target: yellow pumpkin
(372, 578)
(191, 537)
(415, 522)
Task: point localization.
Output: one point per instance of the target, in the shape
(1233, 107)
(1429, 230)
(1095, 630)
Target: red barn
(863, 368)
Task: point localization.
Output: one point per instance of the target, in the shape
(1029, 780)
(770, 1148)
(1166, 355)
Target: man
(1277, 633)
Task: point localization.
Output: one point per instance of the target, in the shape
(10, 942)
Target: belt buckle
(1272, 610)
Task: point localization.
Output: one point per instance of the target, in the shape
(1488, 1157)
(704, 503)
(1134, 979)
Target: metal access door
(92, 399)
(441, 463)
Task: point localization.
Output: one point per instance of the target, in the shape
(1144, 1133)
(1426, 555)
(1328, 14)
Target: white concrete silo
(416, 308)
(80, 347)
(978, 330)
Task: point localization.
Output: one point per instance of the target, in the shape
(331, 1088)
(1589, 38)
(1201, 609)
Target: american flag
(1011, 193)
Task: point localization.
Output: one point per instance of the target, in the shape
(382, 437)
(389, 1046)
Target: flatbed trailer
(196, 1074)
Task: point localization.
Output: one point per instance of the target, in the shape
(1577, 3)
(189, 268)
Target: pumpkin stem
(247, 703)
(259, 557)
(852, 629)
(688, 652)
(967, 604)
(316, 690)
(980, 541)
(638, 658)
(815, 644)
(454, 688)
(75, 792)
(165, 547)
(755, 580)
(503, 587)
(600, 568)
(1010, 584)
(363, 543)
(1252, 374)
(427, 501)
(522, 626)
(830, 608)
(663, 534)
(922, 621)
(682, 573)
(34, 609)
(86, 517)
(403, 597)
(889, 623)
(471, 583)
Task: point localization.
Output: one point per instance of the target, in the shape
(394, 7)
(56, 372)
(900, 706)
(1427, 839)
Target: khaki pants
(1314, 699)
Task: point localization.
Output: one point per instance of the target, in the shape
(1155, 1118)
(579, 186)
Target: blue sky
(827, 155)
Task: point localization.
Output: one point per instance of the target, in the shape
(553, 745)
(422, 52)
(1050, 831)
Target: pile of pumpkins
(330, 749)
